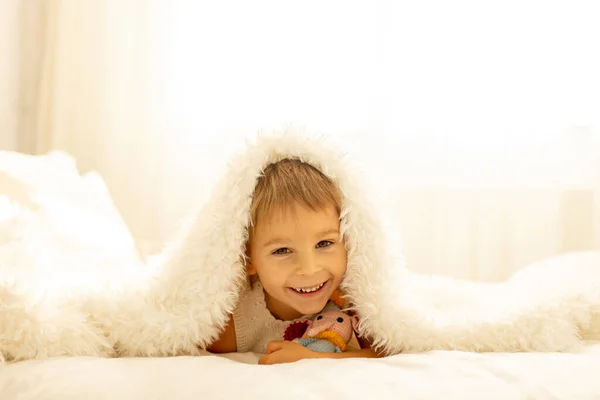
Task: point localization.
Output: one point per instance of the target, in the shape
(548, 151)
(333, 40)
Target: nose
(308, 265)
(319, 327)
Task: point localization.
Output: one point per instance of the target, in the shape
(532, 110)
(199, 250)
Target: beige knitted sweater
(255, 326)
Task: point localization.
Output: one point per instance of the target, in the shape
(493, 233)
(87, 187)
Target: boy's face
(300, 259)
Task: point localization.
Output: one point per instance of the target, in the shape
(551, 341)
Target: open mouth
(311, 290)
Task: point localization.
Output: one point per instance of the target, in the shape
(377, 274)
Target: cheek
(270, 270)
(341, 258)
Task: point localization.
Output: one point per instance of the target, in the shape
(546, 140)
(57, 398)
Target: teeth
(308, 290)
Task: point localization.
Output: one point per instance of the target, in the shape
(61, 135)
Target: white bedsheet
(435, 375)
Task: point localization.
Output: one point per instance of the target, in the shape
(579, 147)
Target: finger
(274, 346)
(265, 359)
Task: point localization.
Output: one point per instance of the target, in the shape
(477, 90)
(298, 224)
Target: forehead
(284, 220)
(333, 314)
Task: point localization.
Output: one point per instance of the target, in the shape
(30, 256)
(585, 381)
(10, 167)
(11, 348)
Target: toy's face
(332, 322)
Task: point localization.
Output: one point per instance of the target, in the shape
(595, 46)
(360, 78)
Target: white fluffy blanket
(61, 297)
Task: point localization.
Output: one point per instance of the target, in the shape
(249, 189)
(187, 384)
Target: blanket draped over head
(181, 304)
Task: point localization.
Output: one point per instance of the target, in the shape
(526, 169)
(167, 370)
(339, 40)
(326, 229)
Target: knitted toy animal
(330, 331)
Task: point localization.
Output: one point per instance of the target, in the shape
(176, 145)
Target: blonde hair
(289, 182)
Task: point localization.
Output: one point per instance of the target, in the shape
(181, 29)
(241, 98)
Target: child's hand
(282, 351)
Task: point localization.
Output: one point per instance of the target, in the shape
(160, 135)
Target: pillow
(59, 229)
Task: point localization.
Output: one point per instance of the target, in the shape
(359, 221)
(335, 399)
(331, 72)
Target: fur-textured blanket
(181, 302)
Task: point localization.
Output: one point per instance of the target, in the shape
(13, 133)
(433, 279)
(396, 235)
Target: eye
(324, 243)
(283, 250)
(340, 320)
(320, 317)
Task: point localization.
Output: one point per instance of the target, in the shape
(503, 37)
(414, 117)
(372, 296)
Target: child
(295, 259)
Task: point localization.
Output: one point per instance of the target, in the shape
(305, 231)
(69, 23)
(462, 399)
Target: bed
(433, 375)
(37, 194)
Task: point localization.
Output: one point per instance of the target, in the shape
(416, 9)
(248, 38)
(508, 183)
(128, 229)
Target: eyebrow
(320, 234)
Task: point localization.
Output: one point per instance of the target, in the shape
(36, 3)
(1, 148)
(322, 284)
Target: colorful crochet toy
(330, 331)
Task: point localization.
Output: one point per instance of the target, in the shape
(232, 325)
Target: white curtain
(91, 88)
(8, 75)
(478, 122)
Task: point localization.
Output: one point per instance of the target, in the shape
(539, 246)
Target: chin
(310, 309)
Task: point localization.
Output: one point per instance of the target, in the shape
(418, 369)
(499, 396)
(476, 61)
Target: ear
(247, 261)
(355, 321)
(250, 269)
